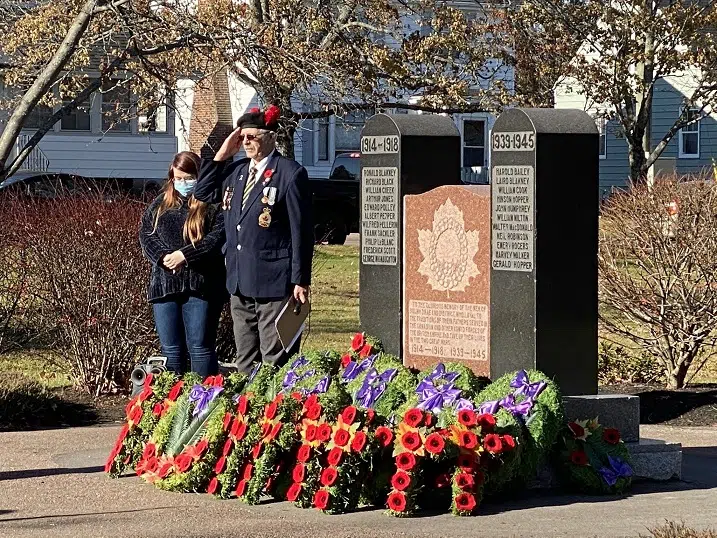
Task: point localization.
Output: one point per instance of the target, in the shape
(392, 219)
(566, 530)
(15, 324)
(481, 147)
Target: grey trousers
(255, 334)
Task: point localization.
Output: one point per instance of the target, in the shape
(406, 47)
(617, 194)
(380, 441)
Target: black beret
(258, 119)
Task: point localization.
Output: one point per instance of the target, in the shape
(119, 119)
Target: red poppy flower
(313, 399)
(486, 422)
(130, 405)
(200, 447)
(611, 436)
(321, 499)
(443, 480)
(345, 360)
(397, 501)
(151, 464)
(492, 443)
(384, 436)
(219, 467)
(304, 453)
(183, 462)
(468, 440)
(465, 502)
(235, 427)
(466, 462)
(164, 469)
(148, 380)
(411, 441)
(335, 456)
(136, 415)
(175, 391)
(208, 381)
(265, 429)
(578, 457)
(329, 476)
(366, 350)
(146, 393)
(405, 461)
(248, 470)
(508, 442)
(342, 437)
(241, 431)
(293, 492)
(314, 412)
(149, 450)
(435, 443)
(275, 430)
(123, 432)
(227, 421)
(241, 488)
(256, 451)
(270, 410)
(413, 417)
(359, 442)
(228, 446)
(213, 485)
(349, 414)
(268, 173)
(577, 429)
(428, 420)
(370, 414)
(324, 432)
(358, 341)
(157, 409)
(243, 404)
(311, 430)
(110, 461)
(465, 481)
(401, 480)
(299, 473)
(467, 417)
(278, 398)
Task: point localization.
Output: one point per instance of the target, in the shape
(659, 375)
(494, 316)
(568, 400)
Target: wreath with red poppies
(593, 459)
(143, 413)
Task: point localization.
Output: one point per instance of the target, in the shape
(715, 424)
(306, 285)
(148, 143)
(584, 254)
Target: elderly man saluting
(269, 234)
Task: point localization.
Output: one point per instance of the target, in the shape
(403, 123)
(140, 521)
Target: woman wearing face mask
(183, 239)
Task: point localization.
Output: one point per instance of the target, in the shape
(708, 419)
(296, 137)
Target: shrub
(90, 278)
(658, 271)
(678, 530)
(618, 365)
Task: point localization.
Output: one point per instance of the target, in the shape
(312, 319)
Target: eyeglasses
(251, 137)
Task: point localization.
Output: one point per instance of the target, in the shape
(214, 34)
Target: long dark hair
(188, 162)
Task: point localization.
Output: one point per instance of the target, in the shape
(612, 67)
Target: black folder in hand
(290, 322)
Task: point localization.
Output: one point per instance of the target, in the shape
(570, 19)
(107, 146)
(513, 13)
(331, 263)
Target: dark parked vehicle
(336, 200)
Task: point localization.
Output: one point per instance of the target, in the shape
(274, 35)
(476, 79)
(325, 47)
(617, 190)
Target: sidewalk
(52, 485)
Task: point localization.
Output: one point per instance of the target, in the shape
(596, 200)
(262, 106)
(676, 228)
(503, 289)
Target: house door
(474, 166)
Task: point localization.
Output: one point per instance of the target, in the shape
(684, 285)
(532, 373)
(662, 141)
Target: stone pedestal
(612, 410)
(653, 459)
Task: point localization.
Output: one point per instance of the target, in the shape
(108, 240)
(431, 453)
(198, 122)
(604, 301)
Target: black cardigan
(203, 274)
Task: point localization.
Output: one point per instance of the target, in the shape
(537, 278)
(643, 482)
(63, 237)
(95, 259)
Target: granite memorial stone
(544, 190)
(446, 291)
(400, 154)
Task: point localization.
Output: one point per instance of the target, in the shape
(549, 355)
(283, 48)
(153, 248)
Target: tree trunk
(44, 82)
(287, 129)
(636, 158)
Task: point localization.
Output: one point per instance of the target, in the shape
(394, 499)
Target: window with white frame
(79, 119)
(347, 131)
(689, 138)
(473, 143)
(38, 116)
(322, 140)
(115, 106)
(602, 137)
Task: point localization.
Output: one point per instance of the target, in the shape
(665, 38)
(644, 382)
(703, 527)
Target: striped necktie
(250, 182)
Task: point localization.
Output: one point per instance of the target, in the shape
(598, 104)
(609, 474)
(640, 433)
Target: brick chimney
(211, 120)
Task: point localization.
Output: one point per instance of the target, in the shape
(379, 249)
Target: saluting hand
(231, 146)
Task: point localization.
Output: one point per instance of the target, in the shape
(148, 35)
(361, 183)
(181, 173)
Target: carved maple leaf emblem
(448, 250)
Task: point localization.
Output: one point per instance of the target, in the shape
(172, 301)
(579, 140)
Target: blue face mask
(185, 187)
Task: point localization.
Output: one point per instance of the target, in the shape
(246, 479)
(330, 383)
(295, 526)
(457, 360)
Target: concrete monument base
(619, 411)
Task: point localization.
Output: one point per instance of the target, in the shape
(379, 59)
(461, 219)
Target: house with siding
(693, 150)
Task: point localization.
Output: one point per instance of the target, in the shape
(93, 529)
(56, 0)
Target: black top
(203, 274)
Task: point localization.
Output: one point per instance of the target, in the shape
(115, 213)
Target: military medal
(227, 201)
(265, 218)
(269, 197)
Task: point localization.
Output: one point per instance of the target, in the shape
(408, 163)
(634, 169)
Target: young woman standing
(183, 239)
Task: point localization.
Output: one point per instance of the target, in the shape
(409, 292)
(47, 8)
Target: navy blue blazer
(269, 245)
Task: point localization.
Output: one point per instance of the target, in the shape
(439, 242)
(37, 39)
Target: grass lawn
(333, 320)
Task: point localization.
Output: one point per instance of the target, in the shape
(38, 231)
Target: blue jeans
(188, 324)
